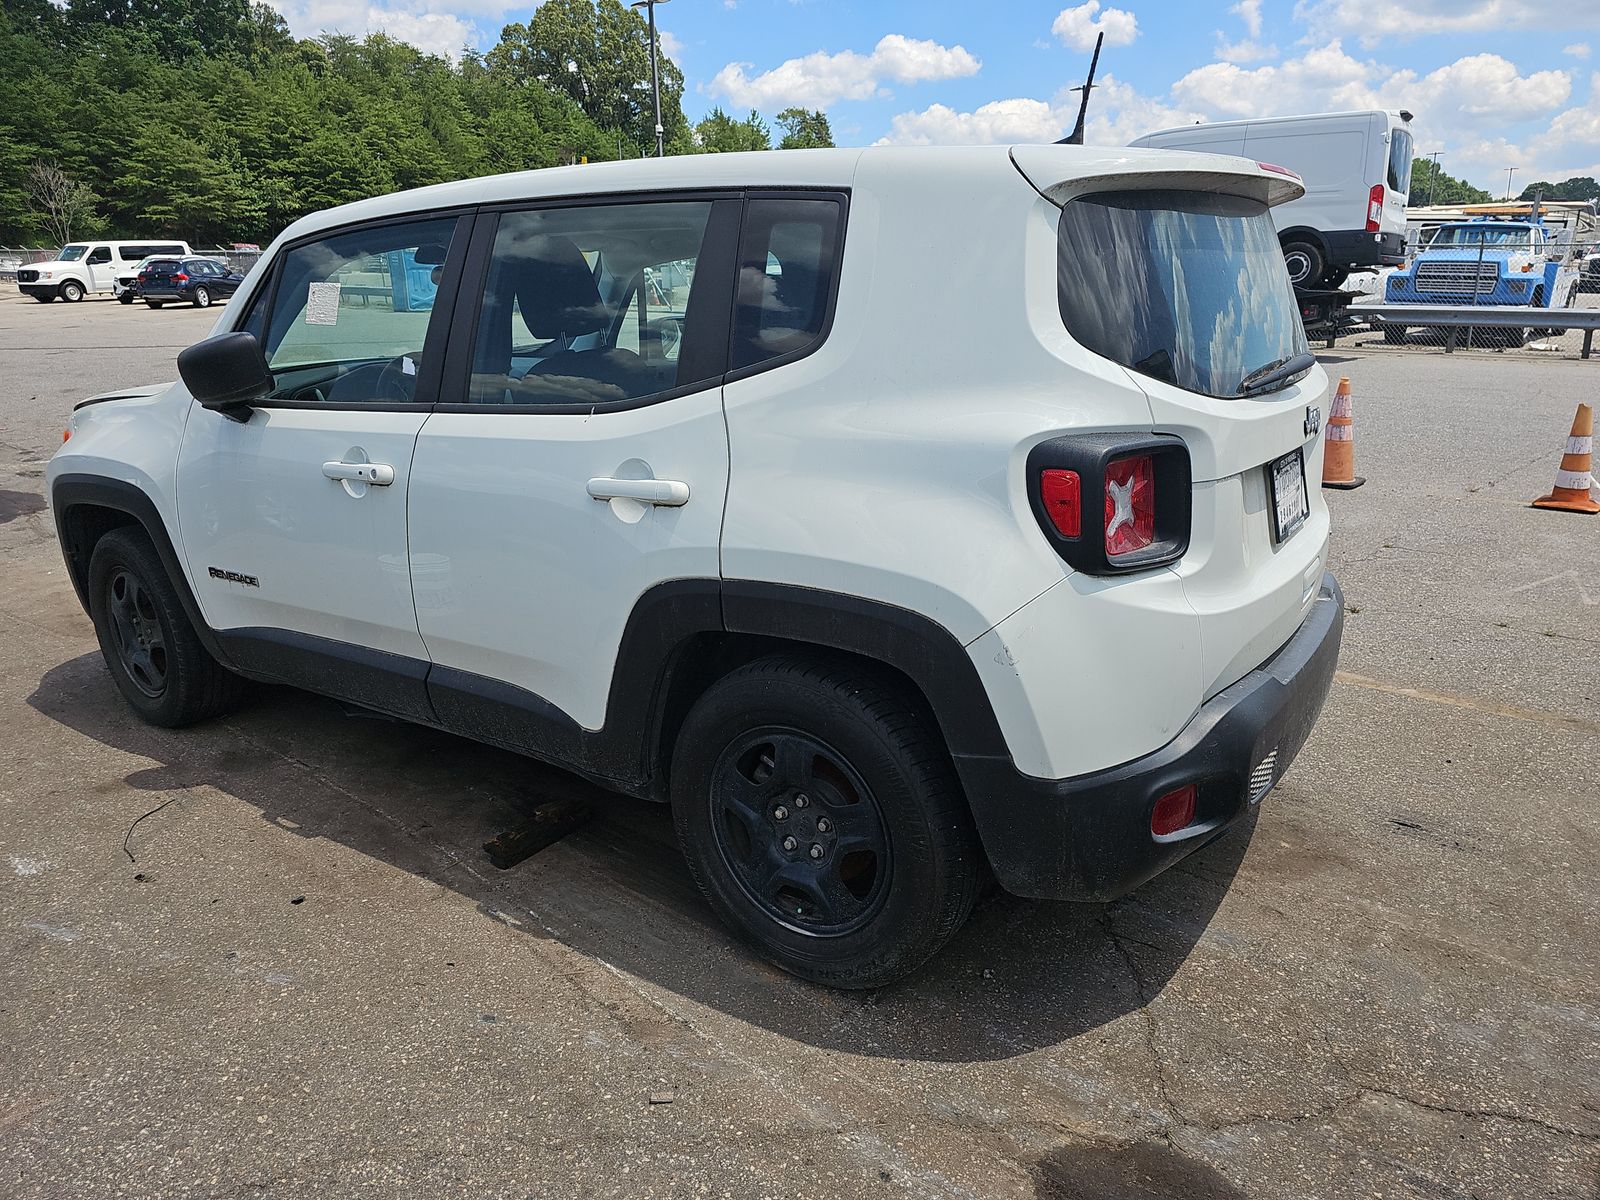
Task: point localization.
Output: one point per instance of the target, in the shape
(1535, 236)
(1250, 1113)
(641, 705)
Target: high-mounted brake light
(1062, 495)
(1295, 175)
(1375, 208)
(1130, 505)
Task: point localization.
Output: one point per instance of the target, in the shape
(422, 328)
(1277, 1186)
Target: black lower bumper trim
(1355, 249)
(1088, 838)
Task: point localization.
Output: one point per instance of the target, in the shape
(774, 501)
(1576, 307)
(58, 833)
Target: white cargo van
(1357, 170)
(83, 268)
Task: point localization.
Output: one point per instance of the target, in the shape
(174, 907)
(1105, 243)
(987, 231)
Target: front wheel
(154, 655)
(822, 819)
(46, 299)
(72, 291)
(125, 298)
(202, 297)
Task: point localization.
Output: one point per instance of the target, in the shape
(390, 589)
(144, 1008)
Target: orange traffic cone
(1339, 451)
(1575, 476)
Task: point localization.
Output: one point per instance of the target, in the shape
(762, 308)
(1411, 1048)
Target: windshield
(1482, 235)
(1186, 287)
(1400, 162)
(71, 253)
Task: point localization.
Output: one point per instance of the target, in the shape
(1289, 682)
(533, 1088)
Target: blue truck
(1486, 260)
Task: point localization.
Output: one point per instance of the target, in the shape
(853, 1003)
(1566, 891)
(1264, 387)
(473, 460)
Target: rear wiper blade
(1280, 371)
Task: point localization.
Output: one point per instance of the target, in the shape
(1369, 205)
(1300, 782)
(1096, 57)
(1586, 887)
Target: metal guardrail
(1482, 316)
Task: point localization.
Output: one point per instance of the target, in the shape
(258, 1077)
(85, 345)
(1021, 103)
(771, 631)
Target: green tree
(718, 133)
(596, 52)
(1579, 187)
(1431, 185)
(804, 129)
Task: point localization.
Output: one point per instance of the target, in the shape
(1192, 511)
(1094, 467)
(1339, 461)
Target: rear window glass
(786, 278)
(1185, 287)
(1400, 162)
(163, 264)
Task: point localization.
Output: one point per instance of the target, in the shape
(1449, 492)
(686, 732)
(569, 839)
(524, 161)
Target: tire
(202, 297)
(1304, 262)
(72, 291)
(154, 655)
(1334, 277)
(1394, 335)
(882, 865)
(125, 298)
(45, 299)
(155, 303)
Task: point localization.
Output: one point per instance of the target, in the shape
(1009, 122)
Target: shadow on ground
(1022, 974)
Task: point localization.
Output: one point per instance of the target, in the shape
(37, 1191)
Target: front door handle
(379, 474)
(668, 492)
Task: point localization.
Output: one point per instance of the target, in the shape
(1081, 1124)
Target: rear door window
(788, 269)
(1400, 162)
(1185, 287)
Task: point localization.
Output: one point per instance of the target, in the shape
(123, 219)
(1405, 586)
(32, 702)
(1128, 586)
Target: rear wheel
(72, 291)
(822, 819)
(1304, 263)
(155, 303)
(202, 297)
(153, 652)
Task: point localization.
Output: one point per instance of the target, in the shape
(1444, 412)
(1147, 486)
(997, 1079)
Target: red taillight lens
(180, 277)
(1061, 492)
(1274, 167)
(1174, 811)
(1130, 505)
(1375, 208)
(143, 277)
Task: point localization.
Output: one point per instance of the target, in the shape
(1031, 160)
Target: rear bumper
(1088, 838)
(1353, 248)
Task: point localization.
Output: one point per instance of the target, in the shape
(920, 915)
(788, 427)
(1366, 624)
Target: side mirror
(226, 373)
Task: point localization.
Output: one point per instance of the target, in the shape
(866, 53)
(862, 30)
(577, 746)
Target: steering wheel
(375, 383)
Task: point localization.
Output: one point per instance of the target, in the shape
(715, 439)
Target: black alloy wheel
(800, 831)
(136, 632)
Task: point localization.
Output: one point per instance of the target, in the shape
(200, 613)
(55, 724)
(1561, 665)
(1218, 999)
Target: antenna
(1075, 138)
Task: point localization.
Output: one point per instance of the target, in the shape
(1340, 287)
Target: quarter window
(350, 313)
(593, 305)
(786, 274)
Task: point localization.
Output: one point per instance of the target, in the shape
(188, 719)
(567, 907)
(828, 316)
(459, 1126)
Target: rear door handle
(668, 492)
(379, 474)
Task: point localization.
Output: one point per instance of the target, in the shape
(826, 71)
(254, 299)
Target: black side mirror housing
(227, 373)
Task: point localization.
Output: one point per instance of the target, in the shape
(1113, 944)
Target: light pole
(655, 75)
(1433, 180)
(1510, 171)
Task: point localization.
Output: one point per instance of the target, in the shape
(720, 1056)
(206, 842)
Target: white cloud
(1244, 50)
(671, 44)
(430, 25)
(1019, 120)
(1577, 49)
(1249, 11)
(821, 79)
(1376, 22)
(1078, 27)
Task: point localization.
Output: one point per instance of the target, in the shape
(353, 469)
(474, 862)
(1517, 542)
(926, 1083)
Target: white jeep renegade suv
(891, 512)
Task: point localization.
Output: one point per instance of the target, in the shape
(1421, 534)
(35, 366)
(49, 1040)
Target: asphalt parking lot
(300, 976)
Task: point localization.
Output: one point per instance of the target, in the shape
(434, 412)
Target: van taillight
(1140, 486)
(1375, 208)
(1130, 505)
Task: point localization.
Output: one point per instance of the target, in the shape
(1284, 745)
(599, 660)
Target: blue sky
(1493, 83)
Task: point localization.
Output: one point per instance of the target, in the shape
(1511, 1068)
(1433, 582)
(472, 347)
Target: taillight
(180, 277)
(1375, 208)
(1062, 496)
(143, 277)
(1174, 811)
(1140, 486)
(1130, 505)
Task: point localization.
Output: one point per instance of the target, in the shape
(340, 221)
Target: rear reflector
(1375, 208)
(1061, 492)
(1174, 811)
(1130, 505)
(1279, 170)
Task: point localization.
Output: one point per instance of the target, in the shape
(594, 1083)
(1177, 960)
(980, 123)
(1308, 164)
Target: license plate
(1286, 477)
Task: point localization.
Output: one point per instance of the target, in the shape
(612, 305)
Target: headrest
(554, 289)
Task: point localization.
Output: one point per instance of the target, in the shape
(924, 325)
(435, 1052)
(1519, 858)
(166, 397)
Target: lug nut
(816, 850)
(824, 825)
(802, 800)
(789, 843)
(781, 813)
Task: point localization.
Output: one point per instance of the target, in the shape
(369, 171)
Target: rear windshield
(1400, 162)
(1185, 287)
(163, 264)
